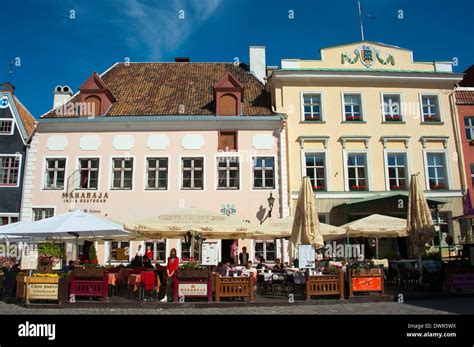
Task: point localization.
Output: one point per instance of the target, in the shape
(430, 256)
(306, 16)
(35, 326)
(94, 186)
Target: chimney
(62, 94)
(181, 60)
(258, 62)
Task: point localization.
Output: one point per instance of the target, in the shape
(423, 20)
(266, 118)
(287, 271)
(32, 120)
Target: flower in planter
(432, 119)
(321, 187)
(439, 186)
(355, 187)
(353, 118)
(400, 187)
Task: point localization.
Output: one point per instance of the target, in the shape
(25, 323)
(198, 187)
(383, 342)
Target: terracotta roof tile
(26, 117)
(143, 89)
(465, 97)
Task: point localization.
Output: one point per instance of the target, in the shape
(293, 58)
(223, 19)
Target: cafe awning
(197, 221)
(377, 226)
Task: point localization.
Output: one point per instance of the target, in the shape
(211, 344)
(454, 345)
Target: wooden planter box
(366, 281)
(325, 285)
(192, 274)
(88, 272)
(234, 287)
(42, 288)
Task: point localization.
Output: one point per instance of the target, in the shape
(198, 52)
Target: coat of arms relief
(367, 54)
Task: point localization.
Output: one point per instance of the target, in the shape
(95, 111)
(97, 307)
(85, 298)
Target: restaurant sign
(192, 289)
(367, 284)
(43, 291)
(85, 197)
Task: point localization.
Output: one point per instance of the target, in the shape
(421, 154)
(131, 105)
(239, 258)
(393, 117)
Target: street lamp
(271, 201)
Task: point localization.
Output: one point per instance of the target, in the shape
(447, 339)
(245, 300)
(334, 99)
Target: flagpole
(361, 22)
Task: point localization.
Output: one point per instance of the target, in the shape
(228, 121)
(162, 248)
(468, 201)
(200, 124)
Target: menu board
(210, 253)
(29, 258)
(306, 256)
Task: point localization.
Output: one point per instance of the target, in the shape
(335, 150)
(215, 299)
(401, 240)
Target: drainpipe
(459, 147)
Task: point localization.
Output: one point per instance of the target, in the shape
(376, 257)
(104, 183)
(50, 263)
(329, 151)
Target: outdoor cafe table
(114, 279)
(139, 282)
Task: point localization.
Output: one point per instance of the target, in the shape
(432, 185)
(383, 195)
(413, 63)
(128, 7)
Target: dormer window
(228, 93)
(93, 104)
(96, 98)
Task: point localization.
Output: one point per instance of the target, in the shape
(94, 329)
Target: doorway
(226, 246)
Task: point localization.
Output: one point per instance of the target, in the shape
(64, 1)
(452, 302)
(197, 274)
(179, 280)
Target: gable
(364, 55)
(8, 110)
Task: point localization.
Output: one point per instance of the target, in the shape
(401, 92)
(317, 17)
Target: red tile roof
(26, 117)
(465, 97)
(143, 89)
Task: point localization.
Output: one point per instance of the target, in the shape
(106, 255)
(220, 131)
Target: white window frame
(382, 103)
(422, 117)
(447, 167)
(145, 170)
(45, 168)
(216, 170)
(181, 166)
(154, 251)
(109, 251)
(346, 153)
(12, 130)
(302, 115)
(469, 128)
(78, 167)
(9, 216)
(111, 176)
(41, 207)
(405, 152)
(264, 242)
(343, 104)
(304, 152)
(275, 170)
(19, 177)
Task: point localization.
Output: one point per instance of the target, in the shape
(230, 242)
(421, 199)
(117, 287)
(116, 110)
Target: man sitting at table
(221, 269)
(261, 265)
(249, 270)
(278, 265)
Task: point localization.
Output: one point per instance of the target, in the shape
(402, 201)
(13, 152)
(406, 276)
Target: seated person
(261, 265)
(278, 265)
(249, 270)
(70, 266)
(221, 269)
(147, 262)
(136, 262)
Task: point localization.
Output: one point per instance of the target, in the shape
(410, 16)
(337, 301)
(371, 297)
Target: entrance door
(226, 246)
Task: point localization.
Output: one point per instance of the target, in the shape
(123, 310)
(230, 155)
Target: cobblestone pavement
(439, 306)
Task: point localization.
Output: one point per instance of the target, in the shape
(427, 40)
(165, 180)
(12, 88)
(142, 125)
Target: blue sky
(54, 48)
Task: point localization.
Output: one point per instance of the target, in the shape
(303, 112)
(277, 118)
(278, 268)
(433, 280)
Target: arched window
(228, 105)
(92, 106)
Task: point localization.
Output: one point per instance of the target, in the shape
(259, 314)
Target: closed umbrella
(419, 221)
(306, 229)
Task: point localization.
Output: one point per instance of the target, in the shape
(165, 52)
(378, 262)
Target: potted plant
(192, 269)
(49, 255)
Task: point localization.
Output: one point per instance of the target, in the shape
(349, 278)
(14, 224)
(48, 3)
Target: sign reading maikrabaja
(85, 197)
(43, 291)
(192, 289)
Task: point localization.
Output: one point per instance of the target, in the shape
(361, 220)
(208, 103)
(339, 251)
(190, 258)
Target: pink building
(143, 139)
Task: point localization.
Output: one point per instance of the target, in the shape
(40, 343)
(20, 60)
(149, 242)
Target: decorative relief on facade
(57, 143)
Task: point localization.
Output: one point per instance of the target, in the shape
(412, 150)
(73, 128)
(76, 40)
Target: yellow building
(360, 121)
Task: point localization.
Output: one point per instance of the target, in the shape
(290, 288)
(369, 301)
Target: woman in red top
(171, 267)
(149, 253)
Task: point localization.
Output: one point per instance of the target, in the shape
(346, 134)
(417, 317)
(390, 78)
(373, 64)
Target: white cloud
(157, 27)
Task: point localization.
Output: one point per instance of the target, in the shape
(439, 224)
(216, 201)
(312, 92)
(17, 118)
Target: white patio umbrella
(419, 224)
(377, 226)
(77, 224)
(178, 223)
(306, 228)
